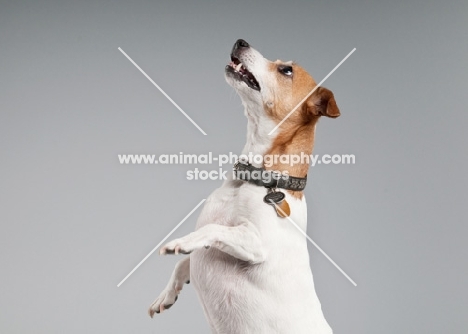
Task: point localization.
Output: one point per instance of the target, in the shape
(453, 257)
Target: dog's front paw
(185, 245)
(166, 299)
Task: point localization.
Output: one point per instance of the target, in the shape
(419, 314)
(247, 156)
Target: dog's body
(249, 266)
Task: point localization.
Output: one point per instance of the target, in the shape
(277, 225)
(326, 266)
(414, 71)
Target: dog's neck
(289, 139)
(259, 142)
(297, 141)
(293, 141)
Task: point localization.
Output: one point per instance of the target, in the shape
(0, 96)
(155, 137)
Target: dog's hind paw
(166, 299)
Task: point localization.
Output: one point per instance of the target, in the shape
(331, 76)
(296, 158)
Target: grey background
(74, 221)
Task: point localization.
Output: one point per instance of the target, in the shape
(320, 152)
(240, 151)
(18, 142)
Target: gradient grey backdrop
(74, 221)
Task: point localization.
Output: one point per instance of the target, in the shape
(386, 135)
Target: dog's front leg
(168, 296)
(240, 241)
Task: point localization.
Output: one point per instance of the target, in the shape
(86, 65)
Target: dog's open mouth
(239, 71)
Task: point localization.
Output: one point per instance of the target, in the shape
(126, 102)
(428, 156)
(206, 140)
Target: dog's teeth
(238, 67)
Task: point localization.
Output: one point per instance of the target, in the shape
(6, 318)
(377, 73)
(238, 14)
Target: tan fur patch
(296, 134)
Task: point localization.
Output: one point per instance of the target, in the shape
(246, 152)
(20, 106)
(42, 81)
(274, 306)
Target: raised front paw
(166, 299)
(185, 245)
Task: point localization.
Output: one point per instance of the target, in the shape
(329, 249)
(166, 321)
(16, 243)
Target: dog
(250, 265)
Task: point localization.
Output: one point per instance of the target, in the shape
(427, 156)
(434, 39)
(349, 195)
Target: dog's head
(277, 87)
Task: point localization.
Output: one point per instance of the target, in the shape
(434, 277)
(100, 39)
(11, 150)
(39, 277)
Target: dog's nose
(240, 43)
(238, 46)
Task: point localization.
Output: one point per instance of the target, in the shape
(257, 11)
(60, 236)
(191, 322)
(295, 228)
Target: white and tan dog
(249, 266)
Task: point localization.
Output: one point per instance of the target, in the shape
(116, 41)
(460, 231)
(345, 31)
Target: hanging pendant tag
(285, 210)
(274, 196)
(279, 203)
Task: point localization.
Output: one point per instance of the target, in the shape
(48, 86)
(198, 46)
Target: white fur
(255, 276)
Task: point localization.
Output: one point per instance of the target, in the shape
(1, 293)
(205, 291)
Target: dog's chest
(232, 206)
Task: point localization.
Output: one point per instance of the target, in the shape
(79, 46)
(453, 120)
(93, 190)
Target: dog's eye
(286, 70)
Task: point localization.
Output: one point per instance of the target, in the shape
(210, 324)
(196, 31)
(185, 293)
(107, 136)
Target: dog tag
(277, 199)
(282, 209)
(274, 196)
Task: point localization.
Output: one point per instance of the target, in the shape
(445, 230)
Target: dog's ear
(322, 103)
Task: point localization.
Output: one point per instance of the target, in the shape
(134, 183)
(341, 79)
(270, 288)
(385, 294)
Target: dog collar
(268, 179)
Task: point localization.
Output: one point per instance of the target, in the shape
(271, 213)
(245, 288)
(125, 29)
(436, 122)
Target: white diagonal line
(311, 92)
(313, 243)
(157, 246)
(163, 92)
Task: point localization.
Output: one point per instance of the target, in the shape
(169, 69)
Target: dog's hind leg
(179, 277)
